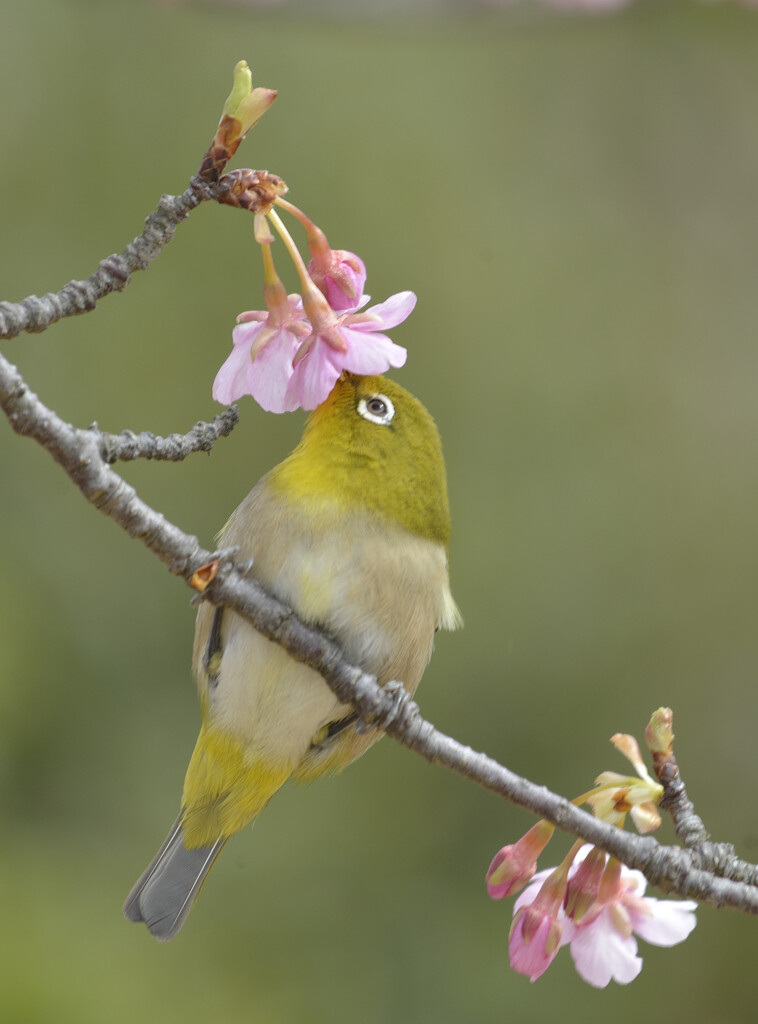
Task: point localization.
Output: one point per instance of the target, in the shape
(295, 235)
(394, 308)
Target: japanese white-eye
(351, 531)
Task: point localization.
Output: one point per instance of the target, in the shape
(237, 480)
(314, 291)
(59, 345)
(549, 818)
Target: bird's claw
(401, 703)
(221, 561)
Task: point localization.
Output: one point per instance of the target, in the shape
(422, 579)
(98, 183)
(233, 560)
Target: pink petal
(389, 313)
(499, 890)
(252, 314)
(344, 286)
(530, 957)
(314, 377)
(360, 302)
(244, 334)
(269, 374)
(634, 881)
(508, 872)
(667, 923)
(601, 955)
(365, 299)
(231, 380)
(370, 353)
(568, 928)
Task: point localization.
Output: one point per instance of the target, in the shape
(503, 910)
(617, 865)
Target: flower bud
(659, 732)
(513, 866)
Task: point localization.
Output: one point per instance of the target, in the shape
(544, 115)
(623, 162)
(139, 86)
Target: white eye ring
(377, 409)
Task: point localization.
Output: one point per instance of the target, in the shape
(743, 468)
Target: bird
(351, 531)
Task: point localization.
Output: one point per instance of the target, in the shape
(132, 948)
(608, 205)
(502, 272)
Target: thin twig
(35, 314)
(688, 825)
(247, 189)
(127, 445)
(720, 858)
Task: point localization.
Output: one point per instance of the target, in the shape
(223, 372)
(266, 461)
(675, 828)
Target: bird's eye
(376, 409)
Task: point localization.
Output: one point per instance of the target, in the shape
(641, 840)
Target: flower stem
(269, 271)
(292, 249)
(317, 240)
(315, 305)
(295, 211)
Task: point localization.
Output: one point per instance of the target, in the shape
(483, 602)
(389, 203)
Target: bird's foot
(401, 704)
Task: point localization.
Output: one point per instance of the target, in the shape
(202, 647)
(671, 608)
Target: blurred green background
(573, 199)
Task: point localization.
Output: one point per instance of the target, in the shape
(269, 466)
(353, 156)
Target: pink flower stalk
(602, 942)
(352, 342)
(338, 274)
(513, 866)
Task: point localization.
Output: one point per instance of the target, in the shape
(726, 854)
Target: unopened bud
(244, 103)
(659, 732)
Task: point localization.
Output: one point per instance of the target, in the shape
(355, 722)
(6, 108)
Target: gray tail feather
(163, 895)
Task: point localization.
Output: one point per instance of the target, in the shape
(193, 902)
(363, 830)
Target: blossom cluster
(595, 906)
(290, 355)
(590, 902)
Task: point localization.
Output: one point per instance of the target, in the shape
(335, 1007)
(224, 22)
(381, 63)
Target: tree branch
(701, 872)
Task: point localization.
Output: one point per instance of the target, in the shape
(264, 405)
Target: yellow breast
(379, 590)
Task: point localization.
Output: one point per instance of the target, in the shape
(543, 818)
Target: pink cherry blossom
(533, 942)
(535, 936)
(602, 942)
(604, 949)
(601, 953)
(351, 342)
(260, 363)
(289, 359)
